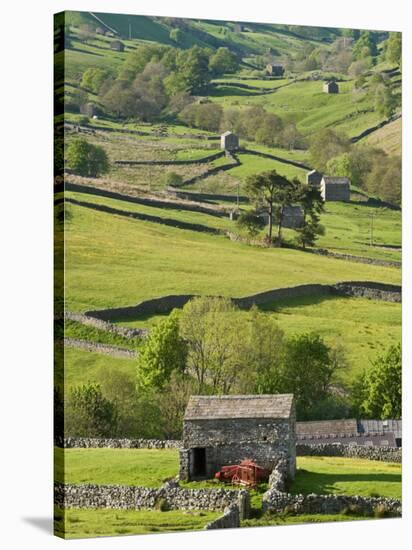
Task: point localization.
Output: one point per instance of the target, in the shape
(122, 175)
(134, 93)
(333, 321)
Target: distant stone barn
(229, 141)
(275, 69)
(331, 87)
(223, 430)
(335, 188)
(117, 46)
(292, 217)
(314, 178)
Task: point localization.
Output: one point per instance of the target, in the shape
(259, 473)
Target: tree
(355, 164)
(326, 144)
(393, 48)
(223, 61)
(87, 159)
(212, 332)
(137, 60)
(173, 179)
(163, 352)
(193, 67)
(386, 101)
(365, 46)
(307, 371)
(383, 386)
(385, 179)
(176, 35)
(312, 204)
(93, 79)
(251, 222)
(262, 351)
(89, 414)
(273, 192)
(120, 389)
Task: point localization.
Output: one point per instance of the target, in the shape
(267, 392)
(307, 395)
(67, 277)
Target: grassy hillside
(388, 138)
(111, 262)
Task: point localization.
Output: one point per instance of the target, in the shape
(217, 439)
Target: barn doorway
(199, 462)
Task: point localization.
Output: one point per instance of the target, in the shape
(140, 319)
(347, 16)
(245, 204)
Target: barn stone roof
(201, 407)
(228, 133)
(335, 179)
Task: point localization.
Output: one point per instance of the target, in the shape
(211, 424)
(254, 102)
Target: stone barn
(229, 141)
(223, 430)
(335, 188)
(314, 178)
(275, 70)
(292, 217)
(331, 87)
(117, 46)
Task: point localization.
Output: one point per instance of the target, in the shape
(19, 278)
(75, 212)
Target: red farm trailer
(246, 473)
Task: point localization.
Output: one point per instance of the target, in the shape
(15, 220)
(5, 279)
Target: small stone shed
(223, 430)
(313, 178)
(274, 69)
(229, 141)
(331, 87)
(292, 217)
(335, 188)
(117, 45)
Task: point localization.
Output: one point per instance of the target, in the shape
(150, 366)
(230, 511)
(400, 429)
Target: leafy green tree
(89, 413)
(251, 222)
(87, 159)
(176, 35)
(163, 352)
(271, 191)
(212, 331)
(326, 144)
(192, 70)
(312, 204)
(137, 60)
(308, 370)
(223, 61)
(93, 79)
(385, 179)
(393, 48)
(173, 179)
(262, 352)
(386, 101)
(365, 46)
(383, 386)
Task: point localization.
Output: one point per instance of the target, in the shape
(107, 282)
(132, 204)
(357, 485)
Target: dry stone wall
(100, 443)
(165, 304)
(384, 454)
(171, 496)
(97, 347)
(100, 324)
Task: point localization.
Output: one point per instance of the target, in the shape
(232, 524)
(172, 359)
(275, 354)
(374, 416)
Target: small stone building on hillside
(229, 141)
(335, 188)
(274, 69)
(223, 430)
(313, 178)
(292, 217)
(331, 87)
(117, 46)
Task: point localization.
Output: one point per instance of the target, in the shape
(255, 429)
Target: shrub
(162, 505)
(87, 159)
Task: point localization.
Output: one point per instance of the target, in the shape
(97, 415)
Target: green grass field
(151, 467)
(84, 523)
(113, 261)
(83, 367)
(347, 476)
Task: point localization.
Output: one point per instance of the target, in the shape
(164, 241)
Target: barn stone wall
(335, 191)
(228, 441)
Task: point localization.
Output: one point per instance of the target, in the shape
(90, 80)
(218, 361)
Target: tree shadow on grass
(302, 301)
(323, 483)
